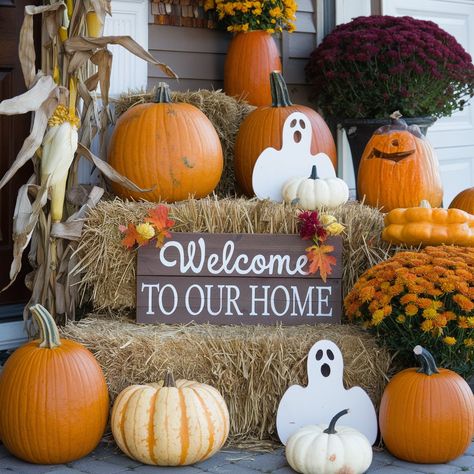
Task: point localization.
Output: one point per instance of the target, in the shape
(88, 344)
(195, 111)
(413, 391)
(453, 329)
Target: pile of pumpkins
(54, 407)
(399, 173)
(173, 149)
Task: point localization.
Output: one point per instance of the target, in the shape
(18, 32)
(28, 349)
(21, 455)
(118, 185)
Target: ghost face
(297, 131)
(325, 363)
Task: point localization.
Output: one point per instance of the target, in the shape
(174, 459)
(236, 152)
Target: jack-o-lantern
(399, 168)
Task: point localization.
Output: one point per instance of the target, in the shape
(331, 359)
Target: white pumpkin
(314, 192)
(317, 449)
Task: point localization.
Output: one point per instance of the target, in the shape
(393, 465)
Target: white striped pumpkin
(170, 423)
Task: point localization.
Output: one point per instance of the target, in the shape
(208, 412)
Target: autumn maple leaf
(319, 259)
(131, 236)
(158, 217)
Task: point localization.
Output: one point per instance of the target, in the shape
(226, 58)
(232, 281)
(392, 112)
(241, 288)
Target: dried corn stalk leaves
(71, 61)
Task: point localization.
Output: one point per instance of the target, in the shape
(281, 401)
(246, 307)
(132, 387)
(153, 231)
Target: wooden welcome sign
(235, 279)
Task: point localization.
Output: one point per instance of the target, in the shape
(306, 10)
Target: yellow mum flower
(146, 230)
(401, 319)
(377, 317)
(450, 341)
(470, 321)
(427, 325)
(411, 310)
(469, 342)
(327, 219)
(430, 313)
(245, 27)
(335, 228)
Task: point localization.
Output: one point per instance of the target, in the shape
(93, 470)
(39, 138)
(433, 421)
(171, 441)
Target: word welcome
(195, 259)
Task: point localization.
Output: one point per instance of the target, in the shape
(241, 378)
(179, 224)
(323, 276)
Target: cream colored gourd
(170, 424)
(313, 192)
(320, 449)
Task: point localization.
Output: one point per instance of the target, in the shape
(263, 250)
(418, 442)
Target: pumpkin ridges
(151, 428)
(58, 417)
(464, 201)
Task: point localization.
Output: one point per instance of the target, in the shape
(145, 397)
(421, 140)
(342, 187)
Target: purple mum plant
(371, 66)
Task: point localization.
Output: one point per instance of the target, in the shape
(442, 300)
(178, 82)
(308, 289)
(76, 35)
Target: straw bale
(108, 270)
(251, 366)
(226, 114)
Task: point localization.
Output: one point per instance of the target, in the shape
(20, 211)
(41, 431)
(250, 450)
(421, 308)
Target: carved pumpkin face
(394, 144)
(399, 168)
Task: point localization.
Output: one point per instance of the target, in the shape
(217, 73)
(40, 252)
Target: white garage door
(453, 137)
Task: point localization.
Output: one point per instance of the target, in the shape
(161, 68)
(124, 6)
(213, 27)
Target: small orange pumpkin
(171, 147)
(263, 128)
(464, 201)
(427, 414)
(251, 57)
(54, 402)
(426, 226)
(399, 168)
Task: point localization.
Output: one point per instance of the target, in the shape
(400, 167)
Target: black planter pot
(359, 131)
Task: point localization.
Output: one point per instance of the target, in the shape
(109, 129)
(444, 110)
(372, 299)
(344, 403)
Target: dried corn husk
(70, 62)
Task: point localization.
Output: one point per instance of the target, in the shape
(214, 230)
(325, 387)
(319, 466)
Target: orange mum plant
(424, 298)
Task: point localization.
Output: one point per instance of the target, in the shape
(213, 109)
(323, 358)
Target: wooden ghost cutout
(325, 396)
(274, 167)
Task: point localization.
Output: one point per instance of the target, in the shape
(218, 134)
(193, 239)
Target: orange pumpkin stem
(169, 380)
(49, 334)
(163, 95)
(331, 428)
(279, 90)
(428, 364)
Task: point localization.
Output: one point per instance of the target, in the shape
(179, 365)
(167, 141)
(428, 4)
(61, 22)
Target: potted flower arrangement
(372, 66)
(420, 298)
(252, 54)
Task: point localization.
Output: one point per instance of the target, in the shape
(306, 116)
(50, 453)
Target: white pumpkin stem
(49, 334)
(169, 380)
(428, 364)
(425, 204)
(314, 173)
(331, 428)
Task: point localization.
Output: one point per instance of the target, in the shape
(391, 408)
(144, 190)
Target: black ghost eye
(330, 354)
(293, 123)
(325, 370)
(319, 355)
(302, 124)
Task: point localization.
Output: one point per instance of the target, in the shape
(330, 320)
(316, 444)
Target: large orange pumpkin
(427, 415)
(464, 201)
(251, 57)
(171, 147)
(54, 401)
(399, 168)
(263, 128)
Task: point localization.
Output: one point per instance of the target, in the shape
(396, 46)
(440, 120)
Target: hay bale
(251, 366)
(226, 114)
(108, 270)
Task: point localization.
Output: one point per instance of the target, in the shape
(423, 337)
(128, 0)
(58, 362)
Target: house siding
(198, 55)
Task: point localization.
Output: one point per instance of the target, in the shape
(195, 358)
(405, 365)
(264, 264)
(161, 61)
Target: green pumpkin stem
(428, 364)
(169, 380)
(280, 95)
(331, 428)
(314, 173)
(49, 334)
(162, 95)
